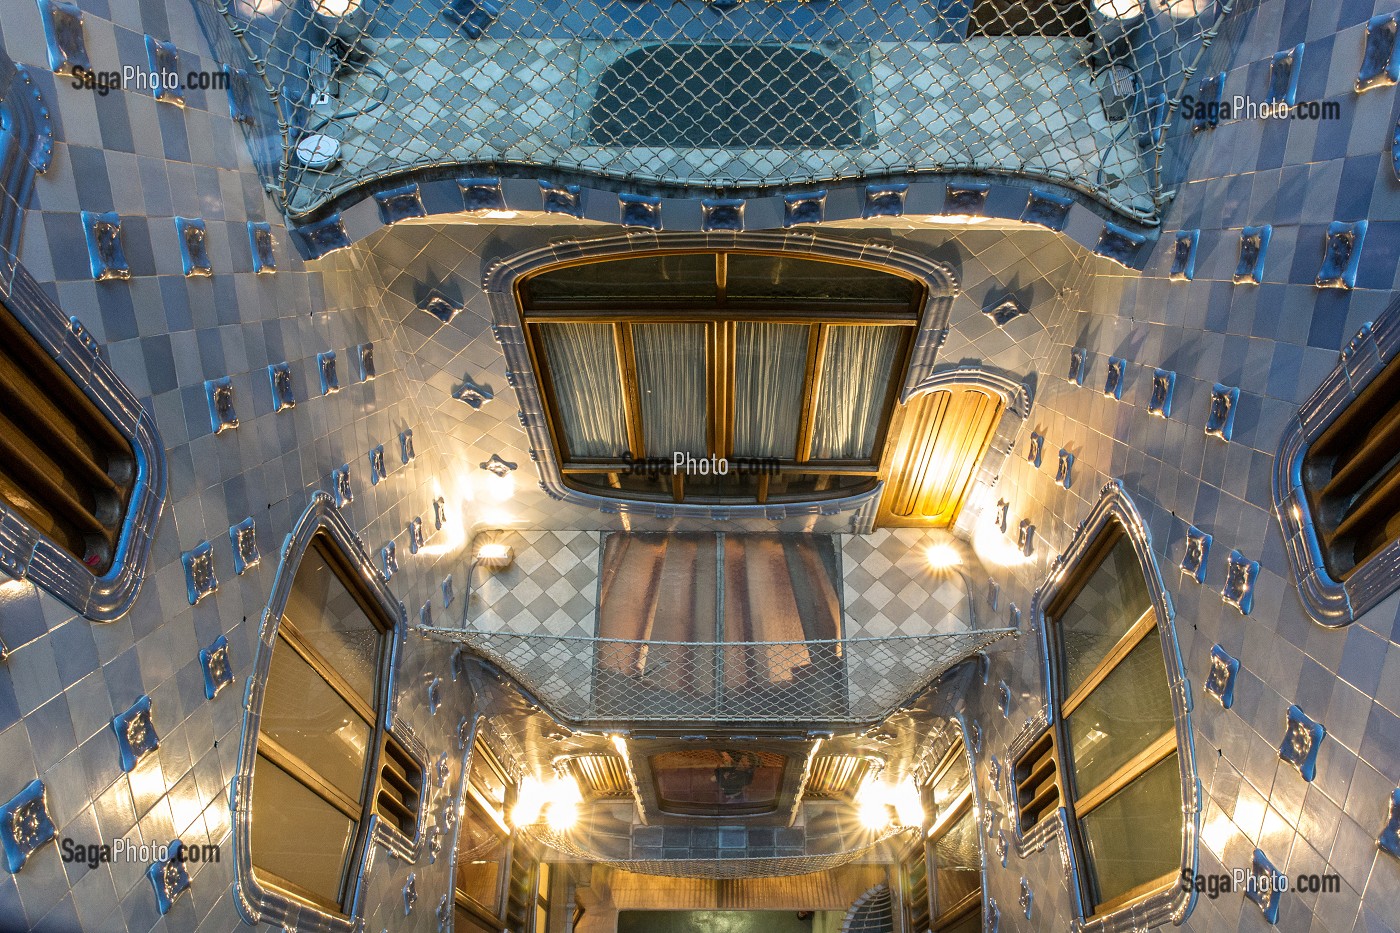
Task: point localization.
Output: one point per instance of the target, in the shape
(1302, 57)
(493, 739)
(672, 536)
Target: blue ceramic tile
(406, 451)
(1064, 471)
(389, 557)
(885, 200)
(1301, 742)
(1220, 682)
(323, 236)
(410, 893)
(377, 470)
(415, 535)
(279, 375)
(1046, 209)
(1035, 449)
(26, 824)
(440, 307)
(1118, 244)
(1341, 254)
(243, 538)
(481, 194)
(722, 214)
(1159, 402)
(194, 253)
(340, 484)
(1390, 835)
(1004, 311)
(63, 35)
(999, 514)
(169, 878)
(1283, 76)
(106, 257)
(1206, 108)
(1026, 899)
(1184, 256)
(1263, 885)
(1025, 537)
(241, 108)
(561, 199)
(1380, 66)
(364, 361)
(966, 200)
(472, 17)
(222, 415)
(1197, 557)
(804, 208)
(474, 395)
(199, 572)
(401, 203)
(448, 593)
(1240, 576)
(330, 377)
(136, 733)
(1113, 378)
(440, 512)
(1078, 365)
(1254, 247)
(640, 210)
(1220, 419)
(218, 669)
(260, 242)
(164, 74)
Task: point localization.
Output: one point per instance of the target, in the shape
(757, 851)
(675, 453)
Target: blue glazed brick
(1301, 741)
(136, 733)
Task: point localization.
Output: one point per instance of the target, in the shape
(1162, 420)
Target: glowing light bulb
(530, 801)
(942, 556)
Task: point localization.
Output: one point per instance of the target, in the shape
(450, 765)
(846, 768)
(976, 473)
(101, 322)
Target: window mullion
(273, 751)
(627, 363)
(816, 346)
(1163, 747)
(1145, 624)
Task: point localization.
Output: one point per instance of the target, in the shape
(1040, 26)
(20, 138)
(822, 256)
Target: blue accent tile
(340, 484)
(1283, 76)
(1005, 311)
(26, 824)
(63, 36)
(330, 377)
(222, 416)
(474, 395)
(1264, 886)
(194, 253)
(1341, 255)
(241, 108)
(260, 242)
(323, 236)
(885, 200)
(243, 538)
(561, 199)
(440, 511)
(406, 451)
(1220, 682)
(1390, 836)
(722, 214)
(1254, 247)
(1025, 537)
(640, 210)
(440, 307)
(1114, 377)
(1197, 557)
(1035, 449)
(1078, 365)
(1046, 209)
(1159, 402)
(1220, 420)
(472, 17)
(279, 375)
(482, 194)
(1064, 471)
(389, 557)
(966, 200)
(106, 258)
(364, 360)
(1240, 576)
(415, 535)
(164, 61)
(1380, 67)
(1184, 256)
(1206, 109)
(1000, 514)
(199, 572)
(1301, 742)
(169, 878)
(136, 733)
(448, 593)
(218, 669)
(401, 203)
(804, 208)
(1118, 244)
(377, 470)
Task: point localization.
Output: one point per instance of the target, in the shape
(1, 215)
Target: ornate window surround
(1173, 904)
(1327, 601)
(499, 284)
(256, 903)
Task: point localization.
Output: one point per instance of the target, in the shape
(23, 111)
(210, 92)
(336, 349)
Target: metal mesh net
(602, 683)
(727, 95)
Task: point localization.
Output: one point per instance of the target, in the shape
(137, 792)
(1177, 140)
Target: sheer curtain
(587, 388)
(770, 365)
(671, 378)
(855, 372)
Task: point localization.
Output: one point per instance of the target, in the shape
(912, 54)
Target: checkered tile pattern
(550, 589)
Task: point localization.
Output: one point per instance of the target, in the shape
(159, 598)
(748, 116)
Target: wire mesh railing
(603, 683)
(725, 95)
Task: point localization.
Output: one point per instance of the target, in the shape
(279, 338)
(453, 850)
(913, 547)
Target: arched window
(656, 368)
(1116, 757)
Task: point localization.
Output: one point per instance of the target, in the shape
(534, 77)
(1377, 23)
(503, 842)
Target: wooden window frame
(475, 800)
(720, 316)
(951, 914)
(1076, 803)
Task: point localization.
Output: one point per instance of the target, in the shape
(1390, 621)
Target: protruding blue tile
(199, 572)
(474, 395)
(170, 878)
(1380, 66)
(1240, 575)
(1159, 403)
(1036, 449)
(222, 415)
(389, 555)
(884, 200)
(722, 214)
(804, 208)
(1205, 112)
(378, 472)
(966, 199)
(406, 451)
(241, 108)
(243, 537)
(1025, 537)
(401, 203)
(1390, 835)
(106, 258)
(1301, 742)
(1004, 311)
(472, 17)
(440, 512)
(1264, 885)
(1027, 898)
(1118, 244)
(164, 61)
(136, 733)
(481, 194)
(498, 466)
(1197, 556)
(1003, 698)
(1184, 256)
(1220, 420)
(561, 199)
(1254, 247)
(640, 210)
(330, 376)
(1113, 377)
(1341, 254)
(1220, 682)
(1046, 209)
(364, 361)
(323, 237)
(410, 893)
(1064, 470)
(415, 535)
(279, 375)
(340, 483)
(1078, 365)
(1283, 76)
(448, 592)
(194, 252)
(26, 824)
(63, 35)
(440, 307)
(260, 241)
(1000, 514)
(434, 695)
(218, 668)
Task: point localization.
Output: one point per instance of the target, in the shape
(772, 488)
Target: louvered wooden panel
(1352, 474)
(944, 436)
(601, 776)
(400, 788)
(1037, 785)
(836, 776)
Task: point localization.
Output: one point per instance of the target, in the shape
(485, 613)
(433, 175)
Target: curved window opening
(720, 377)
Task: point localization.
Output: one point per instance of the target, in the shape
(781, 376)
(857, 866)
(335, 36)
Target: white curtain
(770, 365)
(587, 388)
(671, 379)
(855, 374)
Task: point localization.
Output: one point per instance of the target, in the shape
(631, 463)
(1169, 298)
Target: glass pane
(328, 616)
(306, 717)
(671, 377)
(951, 785)
(648, 278)
(770, 365)
(816, 485)
(786, 278)
(481, 854)
(1128, 711)
(486, 780)
(297, 836)
(1114, 597)
(856, 371)
(1135, 836)
(734, 486)
(628, 485)
(707, 781)
(957, 863)
(587, 388)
